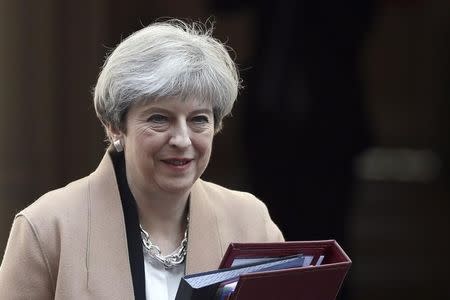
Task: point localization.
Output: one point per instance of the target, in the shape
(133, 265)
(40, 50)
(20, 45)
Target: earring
(118, 145)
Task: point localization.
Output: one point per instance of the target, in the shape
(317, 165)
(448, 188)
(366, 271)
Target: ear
(113, 133)
(115, 137)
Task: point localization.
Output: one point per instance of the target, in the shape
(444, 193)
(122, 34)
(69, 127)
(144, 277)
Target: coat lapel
(108, 264)
(204, 244)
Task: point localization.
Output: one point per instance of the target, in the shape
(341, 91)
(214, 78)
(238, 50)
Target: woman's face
(167, 144)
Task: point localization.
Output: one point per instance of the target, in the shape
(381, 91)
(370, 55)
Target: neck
(163, 216)
(162, 212)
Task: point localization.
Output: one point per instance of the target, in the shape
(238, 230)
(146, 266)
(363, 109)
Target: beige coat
(71, 243)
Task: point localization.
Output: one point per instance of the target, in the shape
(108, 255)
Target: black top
(130, 213)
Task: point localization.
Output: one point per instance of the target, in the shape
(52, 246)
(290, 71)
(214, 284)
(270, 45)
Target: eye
(157, 118)
(201, 119)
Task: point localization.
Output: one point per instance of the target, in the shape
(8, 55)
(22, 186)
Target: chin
(178, 186)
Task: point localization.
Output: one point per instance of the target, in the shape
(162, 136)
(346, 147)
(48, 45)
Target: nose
(180, 136)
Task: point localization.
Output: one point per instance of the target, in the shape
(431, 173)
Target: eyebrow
(202, 110)
(160, 109)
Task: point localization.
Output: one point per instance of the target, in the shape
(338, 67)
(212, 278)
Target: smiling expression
(167, 144)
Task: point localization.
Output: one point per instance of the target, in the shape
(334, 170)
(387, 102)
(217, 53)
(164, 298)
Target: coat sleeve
(25, 272)
(274, 234)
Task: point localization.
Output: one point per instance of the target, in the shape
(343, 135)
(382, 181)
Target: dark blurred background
(342, 128)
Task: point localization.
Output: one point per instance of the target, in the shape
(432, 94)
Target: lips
(177, 162)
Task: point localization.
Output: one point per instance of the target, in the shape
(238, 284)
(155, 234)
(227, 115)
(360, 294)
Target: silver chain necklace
(168, 261)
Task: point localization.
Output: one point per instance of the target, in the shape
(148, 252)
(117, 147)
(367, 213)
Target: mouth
(177, 162)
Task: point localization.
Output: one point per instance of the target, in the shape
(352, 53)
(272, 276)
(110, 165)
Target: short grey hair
(164, 59)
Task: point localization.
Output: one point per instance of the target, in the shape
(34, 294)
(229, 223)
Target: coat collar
(107, 251)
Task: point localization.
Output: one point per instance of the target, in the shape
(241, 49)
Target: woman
(144, 218)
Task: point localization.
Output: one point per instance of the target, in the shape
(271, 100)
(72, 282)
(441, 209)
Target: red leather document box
(320, 282)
